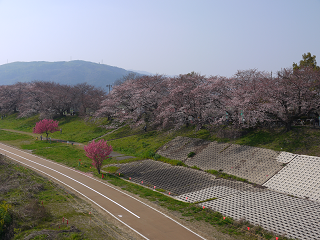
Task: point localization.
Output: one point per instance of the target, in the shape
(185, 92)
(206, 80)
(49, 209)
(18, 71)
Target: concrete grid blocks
(219, 188)
(180, 147)
(175, 179)
(301, 178)
(277, 212)
(285, 157)
(257, 165)
(274, 211)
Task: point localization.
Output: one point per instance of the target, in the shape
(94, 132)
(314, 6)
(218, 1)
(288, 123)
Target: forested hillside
(72, 72)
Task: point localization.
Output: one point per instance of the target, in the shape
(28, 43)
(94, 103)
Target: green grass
(195, 167)
(21, 124)
(226, 176)
(74, 128)
(9, 136)
(191, 154)
(61, 153)
(144, 145)
(38, 204)
(300, 140)
(5, 216)
(77, 129)
(111, 169)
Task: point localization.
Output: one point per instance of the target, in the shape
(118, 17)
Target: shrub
(5, 217)
(191, 154)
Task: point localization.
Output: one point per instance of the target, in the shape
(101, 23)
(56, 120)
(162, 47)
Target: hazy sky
(212, 37)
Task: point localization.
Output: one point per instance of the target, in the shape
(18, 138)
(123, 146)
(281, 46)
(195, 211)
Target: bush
(5, 217)
(191, 154)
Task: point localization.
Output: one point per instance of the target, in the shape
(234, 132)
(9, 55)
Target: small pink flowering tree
(46, 126)
(98, 152)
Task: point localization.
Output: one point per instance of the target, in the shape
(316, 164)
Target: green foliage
(160, 190)
(111, 169)
(25, 190)
(308, 61)
(256, 138)
(73, 128)
(22, 124)
(144, 145)
(10, 136)
(226, 176)
(62, 153)
(207, 200)
(77, 129)
(5, 216)
(191, 154)
(195, 167)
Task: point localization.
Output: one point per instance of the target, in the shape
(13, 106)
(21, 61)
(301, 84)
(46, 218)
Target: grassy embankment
(31, 207)
(143, 145)
(73, 127)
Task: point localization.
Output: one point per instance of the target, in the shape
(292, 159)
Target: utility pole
(110, 86)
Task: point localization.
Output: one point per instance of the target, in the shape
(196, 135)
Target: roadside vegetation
(74, 128)
(32, 207)
(143, 145)
(189, 105)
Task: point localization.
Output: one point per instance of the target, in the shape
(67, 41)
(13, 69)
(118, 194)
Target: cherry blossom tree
(211, 101)
(293, 94)
(86, 96)
(11, 97)
(46, 126)
(51, 99)
(178, 106)
(247, 99)
(98, 152)
(39, 99)
(135, 100)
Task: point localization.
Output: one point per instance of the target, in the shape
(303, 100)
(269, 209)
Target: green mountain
(72, 72)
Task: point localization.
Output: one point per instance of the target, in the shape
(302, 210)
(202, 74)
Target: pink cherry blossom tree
(290, 95)
(11, 97)
(178, 104)
(135, 100)
(98, 152)
(245, 99)
(46, 126)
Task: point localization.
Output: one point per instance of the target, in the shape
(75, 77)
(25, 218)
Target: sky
(211, 37)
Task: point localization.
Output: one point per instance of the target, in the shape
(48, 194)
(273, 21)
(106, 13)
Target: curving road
(146, 221)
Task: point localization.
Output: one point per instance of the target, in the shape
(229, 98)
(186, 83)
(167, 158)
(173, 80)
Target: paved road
(148, 222)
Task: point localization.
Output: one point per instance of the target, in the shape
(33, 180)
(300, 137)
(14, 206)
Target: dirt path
(16, 131)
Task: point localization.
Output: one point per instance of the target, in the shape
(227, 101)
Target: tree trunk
(288, 126)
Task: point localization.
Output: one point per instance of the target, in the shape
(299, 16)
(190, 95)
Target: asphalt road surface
(146, 221)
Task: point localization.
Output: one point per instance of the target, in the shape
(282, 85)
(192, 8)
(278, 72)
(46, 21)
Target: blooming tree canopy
(98, 152)
(49, 98)
(46, 126)
(247, 99)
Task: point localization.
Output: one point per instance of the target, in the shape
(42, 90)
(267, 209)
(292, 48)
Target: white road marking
(82, 195)
(112, 188)
(75, 181)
